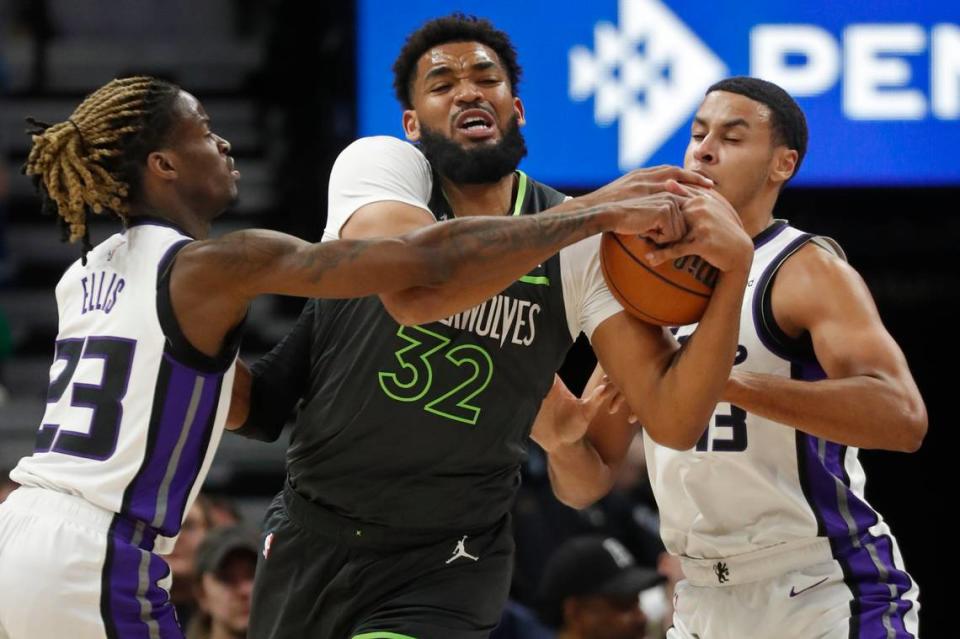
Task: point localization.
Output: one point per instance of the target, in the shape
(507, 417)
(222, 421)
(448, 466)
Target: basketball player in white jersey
(149, 324)
(767, 512)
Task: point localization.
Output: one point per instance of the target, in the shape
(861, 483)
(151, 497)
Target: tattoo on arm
(329, 256)
(434, 250)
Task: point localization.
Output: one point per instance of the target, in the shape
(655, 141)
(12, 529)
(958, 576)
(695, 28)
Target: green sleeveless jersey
(425, 427)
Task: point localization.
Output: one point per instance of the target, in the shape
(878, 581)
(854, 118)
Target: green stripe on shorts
(380, 634)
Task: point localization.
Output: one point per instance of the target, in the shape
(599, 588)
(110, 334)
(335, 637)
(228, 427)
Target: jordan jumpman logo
(461, 551)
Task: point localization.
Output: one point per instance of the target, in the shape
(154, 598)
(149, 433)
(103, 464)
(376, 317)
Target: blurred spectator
(33, 18)
(309, 123)
(4, 74)
(182, 560)
(144, 19)
(7, 485)
(223, 511)
(632, 509)
(661, 609)
(541, 523)
(6, 349)
(591, 589)
(6, 339)
(518, 622)
(5, 265)
(226, 561)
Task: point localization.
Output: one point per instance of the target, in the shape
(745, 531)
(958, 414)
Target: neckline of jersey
(522, 181)
(152, 220)
(768, 233)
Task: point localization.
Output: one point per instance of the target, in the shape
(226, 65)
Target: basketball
(674, 293)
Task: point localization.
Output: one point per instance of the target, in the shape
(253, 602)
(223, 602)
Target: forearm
(687, 393)
(475, 258)
(443, 268)
(578, 474)
(861, 411)
(274, 384)
(584, 441)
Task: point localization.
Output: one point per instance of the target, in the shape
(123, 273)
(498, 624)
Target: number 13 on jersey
(728, 434)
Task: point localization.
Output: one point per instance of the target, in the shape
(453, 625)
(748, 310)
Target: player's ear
(519, 111)
(162, 164)
(784, 164)
(411, 125)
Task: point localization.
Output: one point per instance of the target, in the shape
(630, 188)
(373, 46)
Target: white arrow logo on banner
(649, 74)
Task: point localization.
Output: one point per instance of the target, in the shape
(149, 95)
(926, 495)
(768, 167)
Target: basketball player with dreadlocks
(149, 324)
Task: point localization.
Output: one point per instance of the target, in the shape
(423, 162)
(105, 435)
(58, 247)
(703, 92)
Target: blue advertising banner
(610, 85)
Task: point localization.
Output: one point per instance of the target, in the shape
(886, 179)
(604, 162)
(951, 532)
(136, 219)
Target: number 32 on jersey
(414, 381)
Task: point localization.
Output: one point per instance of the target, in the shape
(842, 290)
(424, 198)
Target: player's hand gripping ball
(675, 293)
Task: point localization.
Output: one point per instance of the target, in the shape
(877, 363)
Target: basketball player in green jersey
(405, 458)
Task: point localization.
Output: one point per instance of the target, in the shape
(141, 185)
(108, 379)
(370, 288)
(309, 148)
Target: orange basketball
(674, 293)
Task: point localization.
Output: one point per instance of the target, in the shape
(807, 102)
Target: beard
(481, 165)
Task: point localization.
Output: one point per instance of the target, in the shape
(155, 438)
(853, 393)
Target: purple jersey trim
(132, 603)
(878, 608)
(181, 425)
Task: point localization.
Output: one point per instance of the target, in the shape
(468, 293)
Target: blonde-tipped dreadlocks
(92, 161)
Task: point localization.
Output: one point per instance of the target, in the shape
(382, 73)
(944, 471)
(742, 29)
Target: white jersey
(383, 168)
(752, 485)
(134, 413)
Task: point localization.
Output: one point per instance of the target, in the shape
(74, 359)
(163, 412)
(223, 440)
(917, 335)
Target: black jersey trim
(106, 589)
(177, 343)
(440, 207)
(770, 333)
(769, 233)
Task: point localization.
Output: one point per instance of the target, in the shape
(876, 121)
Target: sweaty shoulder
(817, 276)
(376, 169)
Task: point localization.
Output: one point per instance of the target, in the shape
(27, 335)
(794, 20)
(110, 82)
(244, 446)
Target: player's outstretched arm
(869, 399)
(379, 188)
(213, 281)
(474, 258)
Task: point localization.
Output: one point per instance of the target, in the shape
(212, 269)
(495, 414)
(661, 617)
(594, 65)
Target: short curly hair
(456, 27)
(788, 122)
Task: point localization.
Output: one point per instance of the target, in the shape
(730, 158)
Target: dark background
(282, 89)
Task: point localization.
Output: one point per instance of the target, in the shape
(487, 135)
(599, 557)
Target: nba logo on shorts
(267, 542)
